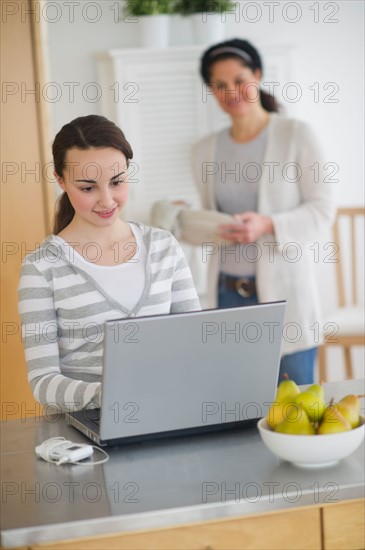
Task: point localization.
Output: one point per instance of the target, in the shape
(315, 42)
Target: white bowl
(312, 451)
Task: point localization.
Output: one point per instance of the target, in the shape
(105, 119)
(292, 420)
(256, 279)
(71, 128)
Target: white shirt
(123, 282)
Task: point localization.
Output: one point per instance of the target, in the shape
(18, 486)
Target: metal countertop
(158, 483)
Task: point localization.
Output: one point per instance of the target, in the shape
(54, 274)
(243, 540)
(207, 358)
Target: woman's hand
(248, 228)
(181, 203)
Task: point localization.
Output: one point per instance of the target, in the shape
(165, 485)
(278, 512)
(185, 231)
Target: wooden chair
(349, 317)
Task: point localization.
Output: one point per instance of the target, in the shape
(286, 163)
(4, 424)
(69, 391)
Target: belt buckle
(241, 291)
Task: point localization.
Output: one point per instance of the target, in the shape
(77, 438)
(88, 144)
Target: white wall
(324, 53)
(328, 49)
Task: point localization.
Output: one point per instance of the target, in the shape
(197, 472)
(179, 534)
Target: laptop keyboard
(93, 415)
(96, 421)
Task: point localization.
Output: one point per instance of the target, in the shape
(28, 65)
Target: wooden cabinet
(344, 526)
(25, 197)
(281, 530)
(336, 526)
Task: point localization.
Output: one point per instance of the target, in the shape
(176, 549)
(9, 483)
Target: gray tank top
(239, 167)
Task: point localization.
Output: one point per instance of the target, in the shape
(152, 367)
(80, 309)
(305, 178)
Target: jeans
(299, 366)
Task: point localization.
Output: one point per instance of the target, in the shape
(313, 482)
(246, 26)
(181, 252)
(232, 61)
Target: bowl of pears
(302, 428)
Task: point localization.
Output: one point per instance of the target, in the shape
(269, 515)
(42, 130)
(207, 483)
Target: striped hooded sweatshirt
(63, 311)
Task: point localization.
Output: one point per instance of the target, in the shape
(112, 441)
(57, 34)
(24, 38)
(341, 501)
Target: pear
(296, 422)
(352, 401)
(313, 404)
(333, 421)
(349, 406)
(350, 413)
(277, 413)
(287, 390)
(317, 389)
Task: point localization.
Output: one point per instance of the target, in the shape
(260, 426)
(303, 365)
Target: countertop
(158, 483)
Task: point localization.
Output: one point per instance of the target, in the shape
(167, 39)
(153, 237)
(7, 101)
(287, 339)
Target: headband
(236, 51)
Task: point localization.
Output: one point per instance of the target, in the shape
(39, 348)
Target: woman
(260, 171)
(95, 267)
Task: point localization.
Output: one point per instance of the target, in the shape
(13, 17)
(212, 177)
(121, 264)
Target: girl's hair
(85, 132)
(246, 54)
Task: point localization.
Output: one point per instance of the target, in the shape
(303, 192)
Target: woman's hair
(246, 54)
(85, 132)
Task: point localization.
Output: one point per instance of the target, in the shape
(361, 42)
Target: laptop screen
(189, 370)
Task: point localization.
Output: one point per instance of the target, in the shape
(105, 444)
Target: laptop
(181, 373)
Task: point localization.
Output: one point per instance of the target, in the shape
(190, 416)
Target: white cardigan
(293, 192)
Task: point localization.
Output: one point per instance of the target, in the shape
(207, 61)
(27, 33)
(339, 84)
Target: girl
(95, 267)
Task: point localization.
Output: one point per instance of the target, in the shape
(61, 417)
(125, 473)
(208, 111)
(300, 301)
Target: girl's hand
(248, 228)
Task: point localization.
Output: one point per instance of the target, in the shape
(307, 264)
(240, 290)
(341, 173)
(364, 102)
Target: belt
(245, 286)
